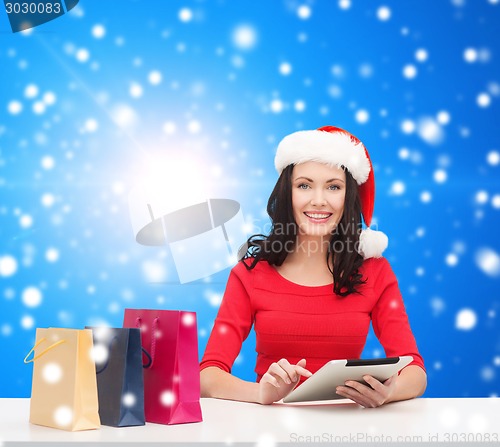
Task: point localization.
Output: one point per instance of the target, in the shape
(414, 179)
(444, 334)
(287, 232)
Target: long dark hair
(342, 253)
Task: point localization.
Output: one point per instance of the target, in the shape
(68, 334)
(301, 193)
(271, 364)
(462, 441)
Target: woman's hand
(372, 395)
(280, 379)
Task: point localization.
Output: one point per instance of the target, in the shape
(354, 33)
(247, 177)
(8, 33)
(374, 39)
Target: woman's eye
(333, 187)
(303, 186)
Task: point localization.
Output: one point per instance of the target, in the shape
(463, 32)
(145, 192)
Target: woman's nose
(318, 198)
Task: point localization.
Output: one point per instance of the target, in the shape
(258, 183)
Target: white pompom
(372, 243)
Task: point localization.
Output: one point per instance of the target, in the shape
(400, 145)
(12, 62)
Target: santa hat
(337, 147)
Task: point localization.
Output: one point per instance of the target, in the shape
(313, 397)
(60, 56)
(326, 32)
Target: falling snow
(129, 399)
(465, 320)
(8, 265)
(304, 12)
(384, 13)
(98, 31)
(63, 416)
(100, 353)
(488, 261)
(245, 37)
(493, 158)
(155, 77)
(409, 71)
(430, 131)
(167, 398)
(32, 297)
(185, 15)
(52, 373)
(15, 107)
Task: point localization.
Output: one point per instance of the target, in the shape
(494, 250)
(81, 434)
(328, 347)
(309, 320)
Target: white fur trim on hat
(372, 243)
(333, 148)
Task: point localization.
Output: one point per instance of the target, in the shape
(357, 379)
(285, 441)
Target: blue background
(79, 117)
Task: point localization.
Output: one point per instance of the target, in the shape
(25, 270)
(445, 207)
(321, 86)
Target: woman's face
(318, 195)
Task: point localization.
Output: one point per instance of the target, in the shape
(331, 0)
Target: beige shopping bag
(64, 389)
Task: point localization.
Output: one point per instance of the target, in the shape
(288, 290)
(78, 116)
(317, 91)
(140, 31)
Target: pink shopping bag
(172, 380)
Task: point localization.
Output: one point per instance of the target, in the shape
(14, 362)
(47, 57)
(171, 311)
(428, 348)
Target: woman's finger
(391, 379)
(375, 384)
(302, 371)
(300, 368)
(276, 370)
(350, 393)
(269, 378)
(373, 397)
(289, 370)
(360, 387)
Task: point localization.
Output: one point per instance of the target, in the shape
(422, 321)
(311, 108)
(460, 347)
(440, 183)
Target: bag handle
(154, 331)
(57, 343)
(110, 345)
(150, 360)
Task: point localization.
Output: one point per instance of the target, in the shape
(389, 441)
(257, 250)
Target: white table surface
(227, 422)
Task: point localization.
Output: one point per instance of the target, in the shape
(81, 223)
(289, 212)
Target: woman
(311, 287)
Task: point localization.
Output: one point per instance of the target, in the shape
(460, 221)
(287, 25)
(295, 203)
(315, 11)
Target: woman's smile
(316, 217)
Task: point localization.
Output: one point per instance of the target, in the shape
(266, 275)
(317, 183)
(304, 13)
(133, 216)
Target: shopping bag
(64, 388)
(172, 380)
(120, 385)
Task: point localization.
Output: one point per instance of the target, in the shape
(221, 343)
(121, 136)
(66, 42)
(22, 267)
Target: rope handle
(146, 353)
(150, 360)
(57, 343)
(106, 363)
(154, 328)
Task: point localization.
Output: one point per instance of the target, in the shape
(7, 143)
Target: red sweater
(293, 321)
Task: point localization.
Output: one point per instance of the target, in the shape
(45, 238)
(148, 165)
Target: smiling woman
(313, 285)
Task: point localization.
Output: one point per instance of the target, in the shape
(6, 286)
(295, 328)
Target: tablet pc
(322, 384)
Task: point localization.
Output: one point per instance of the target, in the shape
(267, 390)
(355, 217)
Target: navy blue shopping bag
(120, 383)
